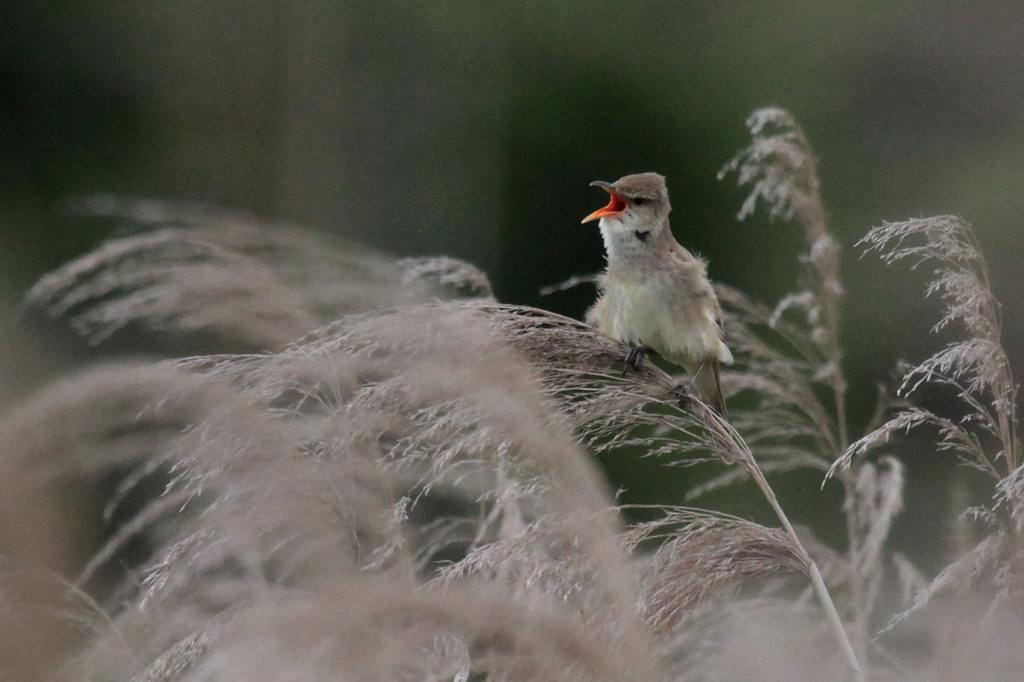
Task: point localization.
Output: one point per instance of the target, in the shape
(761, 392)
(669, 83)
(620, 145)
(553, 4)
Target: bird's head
(639, 204)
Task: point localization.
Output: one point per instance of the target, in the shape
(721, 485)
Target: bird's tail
(709, 386)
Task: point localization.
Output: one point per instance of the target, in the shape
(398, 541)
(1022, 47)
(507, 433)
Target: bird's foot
(635, 358)
(685, 392)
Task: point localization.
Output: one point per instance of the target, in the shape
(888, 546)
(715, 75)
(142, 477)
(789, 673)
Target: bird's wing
(724, 354)
(699, 292)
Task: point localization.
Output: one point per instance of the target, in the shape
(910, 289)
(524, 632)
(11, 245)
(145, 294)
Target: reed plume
(360, 466)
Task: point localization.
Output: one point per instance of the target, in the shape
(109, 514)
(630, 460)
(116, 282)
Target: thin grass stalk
(1004, 381)
(817, 582)
(829, 297)
(797, 195)
(820, 589)
(829, 294)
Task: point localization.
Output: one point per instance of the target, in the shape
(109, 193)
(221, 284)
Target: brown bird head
(638, 203)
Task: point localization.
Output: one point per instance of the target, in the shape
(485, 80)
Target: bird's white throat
(621, 242)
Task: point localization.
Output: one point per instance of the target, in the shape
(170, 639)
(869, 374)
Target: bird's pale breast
(656, 313)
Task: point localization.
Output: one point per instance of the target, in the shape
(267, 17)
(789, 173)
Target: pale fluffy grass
(385, 474)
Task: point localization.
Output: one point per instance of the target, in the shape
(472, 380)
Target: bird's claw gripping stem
(685, 393)
(635, 358)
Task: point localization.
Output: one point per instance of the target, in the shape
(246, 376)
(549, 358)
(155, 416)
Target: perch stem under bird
(655, 295)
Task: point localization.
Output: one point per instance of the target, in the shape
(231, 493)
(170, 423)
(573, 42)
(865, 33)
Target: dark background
(473, 129)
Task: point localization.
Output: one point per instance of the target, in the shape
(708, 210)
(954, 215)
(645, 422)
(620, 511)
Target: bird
(654, 294)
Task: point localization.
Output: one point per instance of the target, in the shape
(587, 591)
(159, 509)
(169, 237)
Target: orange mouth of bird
(616, 206)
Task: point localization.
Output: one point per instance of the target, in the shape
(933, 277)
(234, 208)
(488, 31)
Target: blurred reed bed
(350, 466)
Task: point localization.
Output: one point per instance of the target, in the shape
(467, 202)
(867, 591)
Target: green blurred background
(473, 129)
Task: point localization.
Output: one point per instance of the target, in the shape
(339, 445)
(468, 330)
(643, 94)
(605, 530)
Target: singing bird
(655, 295)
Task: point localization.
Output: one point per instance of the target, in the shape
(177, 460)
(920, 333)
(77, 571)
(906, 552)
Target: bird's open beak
(615, 206)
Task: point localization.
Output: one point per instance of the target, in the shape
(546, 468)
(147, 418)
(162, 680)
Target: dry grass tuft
(703, 554)
(226, 280)
(977, 372)
(382, 473)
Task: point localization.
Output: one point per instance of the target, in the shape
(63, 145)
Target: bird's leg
(684, 391)
(687, 389)
(635, 357)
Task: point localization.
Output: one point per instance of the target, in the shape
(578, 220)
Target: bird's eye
(639, 201)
